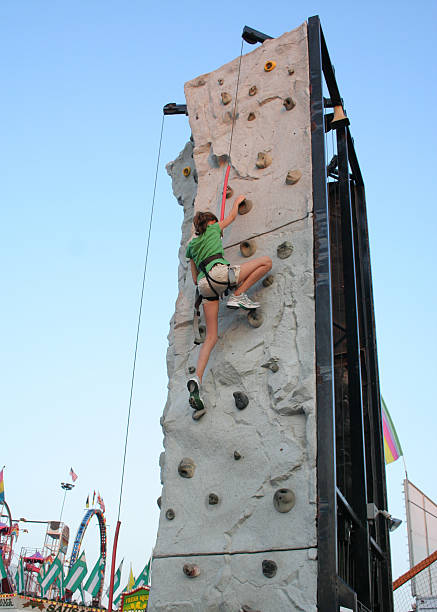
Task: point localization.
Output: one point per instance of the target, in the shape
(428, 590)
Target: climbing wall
(237, 528)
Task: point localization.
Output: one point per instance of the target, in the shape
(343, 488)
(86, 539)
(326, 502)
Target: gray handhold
(198, 414)
(247, 247)
(191, 570)
(191, 370)
(284, 500)
(241, 400)
(187, 467)
(229, 192)
(290, 70)
(244, 207)
(237, 456)
(269, 568)
(251, 116)
(271, 365)
(220, 81)
(268, 281)
(213, 499)
(226, 98)
(263, 160)
(247, 609)
(293, 176)
(170, 514)
(289, 103)
(159, 501)
(255, 318)
(253, 90)
(284, 250)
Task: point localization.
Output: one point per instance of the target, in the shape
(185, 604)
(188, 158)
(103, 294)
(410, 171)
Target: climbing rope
(234, 115)
(139, 319)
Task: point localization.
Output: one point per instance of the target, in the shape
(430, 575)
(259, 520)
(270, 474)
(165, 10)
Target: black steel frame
(370, 584)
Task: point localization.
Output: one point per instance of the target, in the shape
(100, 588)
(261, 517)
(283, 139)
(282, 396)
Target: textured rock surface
(274, 436)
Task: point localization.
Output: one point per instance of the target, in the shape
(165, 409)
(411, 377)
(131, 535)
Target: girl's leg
(211, 319)
(251, 272)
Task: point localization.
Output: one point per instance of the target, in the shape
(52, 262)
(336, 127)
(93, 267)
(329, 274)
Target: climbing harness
(230, 284)
(234, 115)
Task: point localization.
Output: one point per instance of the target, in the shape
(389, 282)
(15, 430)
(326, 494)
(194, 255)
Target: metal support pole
(114, 555)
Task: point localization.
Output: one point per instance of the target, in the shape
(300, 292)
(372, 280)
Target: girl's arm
(232, 215)
(193, 271)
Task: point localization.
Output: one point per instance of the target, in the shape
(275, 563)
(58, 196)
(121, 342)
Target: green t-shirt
(205, 245)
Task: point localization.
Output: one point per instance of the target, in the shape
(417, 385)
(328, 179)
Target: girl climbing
(213, 274)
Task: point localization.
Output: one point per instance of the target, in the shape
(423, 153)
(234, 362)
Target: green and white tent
(19, 577)
(76, 574)
(92, 585)
(50, 575)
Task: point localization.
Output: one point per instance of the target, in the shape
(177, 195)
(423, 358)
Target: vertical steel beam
(327, 597)
(358, 498)
(374, 407)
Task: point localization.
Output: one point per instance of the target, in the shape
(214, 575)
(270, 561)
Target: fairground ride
(7, 533)
(78, 541)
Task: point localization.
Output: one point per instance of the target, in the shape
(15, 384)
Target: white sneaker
(195, 401)
(242, 301)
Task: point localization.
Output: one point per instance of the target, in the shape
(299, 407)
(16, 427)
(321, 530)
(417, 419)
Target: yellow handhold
(268, 66)
(186, 171)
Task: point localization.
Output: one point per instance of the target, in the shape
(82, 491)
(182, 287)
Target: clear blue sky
(83, 85)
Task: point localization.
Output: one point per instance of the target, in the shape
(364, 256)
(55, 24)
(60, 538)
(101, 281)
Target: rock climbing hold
(220, 81)
(191, 370)
(159, 501)
(293, 177)
(290, 70)
(229, 192)
(244, 207)
(170, 514)
(269, 66)
(269, 568)
(226, 98)
(202, 333)
(284, 250)
(241, 400)
(284, 500)
(187, 466)
(198, 414)
(237, 456)
(271, 365)
(186, 171)
(247, 248)
(268, 281)
(263, 160)
(253, 90)
(213, 499)
(251, 116)
(289, 103)
(247, 609)
(255, 318)
(191, 570)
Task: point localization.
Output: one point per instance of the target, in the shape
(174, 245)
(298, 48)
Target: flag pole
(114, 555)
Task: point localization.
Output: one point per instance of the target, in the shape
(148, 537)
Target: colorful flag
(19, 577)
(73, 475)
(117, 580)
(131, 582)
(2, 488)
(3, 573)
(100, 502)
(143, 578)
(94, 497)
(76, 574)
(392, 446)
(51, 574)
(15, 530)
(87, 503)
(92, 585)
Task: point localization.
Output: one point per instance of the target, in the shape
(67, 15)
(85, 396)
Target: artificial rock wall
(250, 464)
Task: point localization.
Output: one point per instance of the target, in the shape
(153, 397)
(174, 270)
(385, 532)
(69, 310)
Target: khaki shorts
(219, 272)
